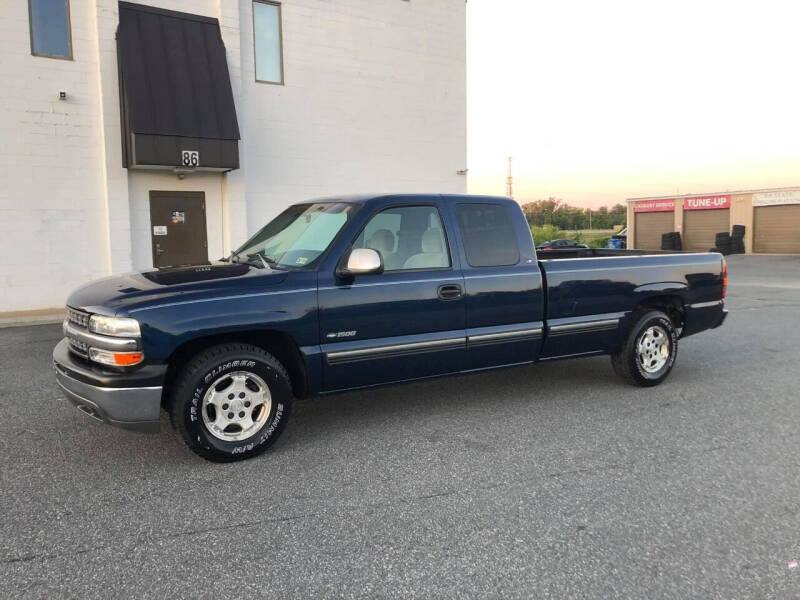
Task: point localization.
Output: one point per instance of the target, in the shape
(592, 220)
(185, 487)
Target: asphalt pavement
(549, 481)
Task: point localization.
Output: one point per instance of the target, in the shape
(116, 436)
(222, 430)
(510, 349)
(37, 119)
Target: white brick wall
(374, 101)
(52, 214)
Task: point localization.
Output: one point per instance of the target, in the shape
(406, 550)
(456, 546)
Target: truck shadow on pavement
(403, 409)
(469, 401)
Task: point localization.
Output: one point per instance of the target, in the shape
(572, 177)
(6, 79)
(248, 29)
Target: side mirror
(362, 261)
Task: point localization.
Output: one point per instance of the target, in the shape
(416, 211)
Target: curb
(22, 319)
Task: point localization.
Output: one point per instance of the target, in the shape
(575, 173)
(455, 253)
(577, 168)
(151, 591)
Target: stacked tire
(737, 239)
(724, 243)
(671, 241)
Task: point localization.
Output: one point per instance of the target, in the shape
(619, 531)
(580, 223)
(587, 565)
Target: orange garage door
(700, 228)
(649, 227)
(776, 229)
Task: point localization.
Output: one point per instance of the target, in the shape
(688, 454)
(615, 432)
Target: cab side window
(407, 238)
(489, 238)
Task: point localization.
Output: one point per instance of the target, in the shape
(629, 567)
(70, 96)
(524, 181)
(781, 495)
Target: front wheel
(649, 351)
(231, 402)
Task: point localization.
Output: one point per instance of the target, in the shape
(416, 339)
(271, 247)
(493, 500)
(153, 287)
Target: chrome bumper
(136, 408)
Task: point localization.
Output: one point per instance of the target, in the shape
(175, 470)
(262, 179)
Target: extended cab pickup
(345, 293)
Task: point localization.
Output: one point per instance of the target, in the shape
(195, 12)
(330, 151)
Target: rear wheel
(649, 352)
(231, 402)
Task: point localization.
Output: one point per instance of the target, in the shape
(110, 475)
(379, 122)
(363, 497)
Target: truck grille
(78, 318)
(78, 347)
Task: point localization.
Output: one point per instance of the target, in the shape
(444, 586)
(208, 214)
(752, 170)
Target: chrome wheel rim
(653, 348)
(236, 406)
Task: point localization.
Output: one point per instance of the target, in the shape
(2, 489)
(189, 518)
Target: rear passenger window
(489, 238)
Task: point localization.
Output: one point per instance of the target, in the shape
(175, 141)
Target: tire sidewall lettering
(228, 366)
(265, 434)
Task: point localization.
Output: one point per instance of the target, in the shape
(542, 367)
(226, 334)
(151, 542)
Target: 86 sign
(190, 158)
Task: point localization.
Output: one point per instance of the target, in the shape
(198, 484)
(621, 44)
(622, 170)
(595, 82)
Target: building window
(268, 41)
(50, 30)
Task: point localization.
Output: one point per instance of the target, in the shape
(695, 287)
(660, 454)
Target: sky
(599, 101)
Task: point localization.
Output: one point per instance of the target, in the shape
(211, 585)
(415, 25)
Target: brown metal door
(178, 228)
(649, 227)
(777, 229)
(700, 228)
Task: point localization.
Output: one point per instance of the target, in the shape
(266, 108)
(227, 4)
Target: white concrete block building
(119, 121)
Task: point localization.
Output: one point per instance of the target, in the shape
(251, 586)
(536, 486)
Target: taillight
(724, 277)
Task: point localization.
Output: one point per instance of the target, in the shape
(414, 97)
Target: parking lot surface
(554, 480)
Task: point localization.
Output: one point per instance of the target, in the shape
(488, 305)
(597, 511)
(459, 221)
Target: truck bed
(598, 285)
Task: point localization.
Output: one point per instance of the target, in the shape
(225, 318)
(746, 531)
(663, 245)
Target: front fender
(166, 327)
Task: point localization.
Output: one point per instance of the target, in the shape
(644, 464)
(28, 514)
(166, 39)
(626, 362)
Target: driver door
(405, 323)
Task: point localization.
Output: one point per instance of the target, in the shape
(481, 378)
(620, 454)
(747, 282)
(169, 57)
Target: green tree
(556, 212)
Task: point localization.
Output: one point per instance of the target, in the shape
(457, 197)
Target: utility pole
(509, 181)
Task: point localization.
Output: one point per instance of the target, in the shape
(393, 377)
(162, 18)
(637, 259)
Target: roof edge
(167, 13)
(795, 188)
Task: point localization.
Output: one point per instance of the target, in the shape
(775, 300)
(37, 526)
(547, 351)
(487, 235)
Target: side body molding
(653, 289)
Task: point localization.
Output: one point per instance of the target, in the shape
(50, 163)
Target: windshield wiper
(264, 262)
(256, 259)
(267, 261)
(260, 257)
(270, 261)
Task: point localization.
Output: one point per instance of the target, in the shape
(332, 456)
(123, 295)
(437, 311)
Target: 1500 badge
(341, 334)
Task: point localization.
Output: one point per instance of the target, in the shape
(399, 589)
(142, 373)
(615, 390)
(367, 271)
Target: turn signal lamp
(115, 359)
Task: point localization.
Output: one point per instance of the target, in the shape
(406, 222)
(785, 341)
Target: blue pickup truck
(345, 293)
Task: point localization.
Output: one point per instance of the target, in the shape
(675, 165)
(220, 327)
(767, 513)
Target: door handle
(159, 251)
(450, 291)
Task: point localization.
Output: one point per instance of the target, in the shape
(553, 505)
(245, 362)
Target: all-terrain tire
(209, 369)
(642, 366)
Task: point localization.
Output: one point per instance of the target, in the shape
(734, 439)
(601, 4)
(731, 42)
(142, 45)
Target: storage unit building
(776, 222)
(652, 219)
(771, 220)
(703, 218)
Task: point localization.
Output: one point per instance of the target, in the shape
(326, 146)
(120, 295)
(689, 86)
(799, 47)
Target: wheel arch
(278, 343)
(671, 304)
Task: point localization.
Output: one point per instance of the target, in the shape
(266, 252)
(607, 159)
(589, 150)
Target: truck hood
(120, 293)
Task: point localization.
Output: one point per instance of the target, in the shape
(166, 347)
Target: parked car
(560, 245)
(347, 293)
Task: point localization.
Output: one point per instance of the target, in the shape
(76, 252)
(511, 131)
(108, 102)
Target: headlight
(116, 326)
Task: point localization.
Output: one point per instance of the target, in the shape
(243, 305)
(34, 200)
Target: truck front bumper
(128, 400)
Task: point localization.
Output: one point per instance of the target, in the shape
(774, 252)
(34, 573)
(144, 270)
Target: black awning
(175, 90)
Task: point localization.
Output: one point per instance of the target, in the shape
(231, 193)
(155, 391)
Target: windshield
(297, 236)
